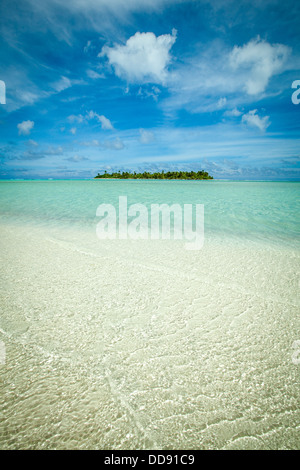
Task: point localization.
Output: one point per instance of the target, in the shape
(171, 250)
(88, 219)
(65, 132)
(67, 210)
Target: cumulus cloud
(252, 119)
(104, 121)
(73, 130)
(25, 127)
(261, 60)
(143, 59)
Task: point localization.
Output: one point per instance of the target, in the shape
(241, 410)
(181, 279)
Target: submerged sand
(144, 345)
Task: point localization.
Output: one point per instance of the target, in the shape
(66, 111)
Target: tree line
(169, 175)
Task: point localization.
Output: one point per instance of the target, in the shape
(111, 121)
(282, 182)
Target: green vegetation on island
(169, 175)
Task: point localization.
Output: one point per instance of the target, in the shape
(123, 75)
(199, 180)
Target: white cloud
(88, 47)
(62, 84)
(76, 159)
(94, 75)
(25, 127)
(33, 143)
(54, 151)
(104, 121)
(200, 80)
(253, 120)
(233, 112)
(73, 118)
(73, 130)
(221, 103)
(144, 58)
(91, 143)
(146, 136)
(145, 92)
(261, 60)
(116, 144)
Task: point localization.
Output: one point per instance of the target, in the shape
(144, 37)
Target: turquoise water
(142, 344)
(266, 211)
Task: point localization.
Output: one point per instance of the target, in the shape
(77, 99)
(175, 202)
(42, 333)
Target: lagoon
(141, 344)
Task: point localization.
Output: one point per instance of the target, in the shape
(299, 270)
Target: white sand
(133, 345)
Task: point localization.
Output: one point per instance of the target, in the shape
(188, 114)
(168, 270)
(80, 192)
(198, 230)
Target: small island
(169, 175)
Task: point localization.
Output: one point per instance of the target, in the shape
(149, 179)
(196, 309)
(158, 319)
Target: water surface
(123, 344)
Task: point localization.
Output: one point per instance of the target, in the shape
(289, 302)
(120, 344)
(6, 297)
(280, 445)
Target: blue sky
(94, 85)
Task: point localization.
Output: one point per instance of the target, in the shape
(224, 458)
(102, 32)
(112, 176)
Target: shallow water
(123, 344)
(257, 210)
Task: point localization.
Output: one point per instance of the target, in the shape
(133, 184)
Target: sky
(94, 85)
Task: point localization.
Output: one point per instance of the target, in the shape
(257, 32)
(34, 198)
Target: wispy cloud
(233, 112)
(116, 144)
(94, 75)
(217, 76)
(76, 159)
(149, 92)
(146, 136)
(62, 84)
(76, 118)
(33, 143)
(34, 154)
